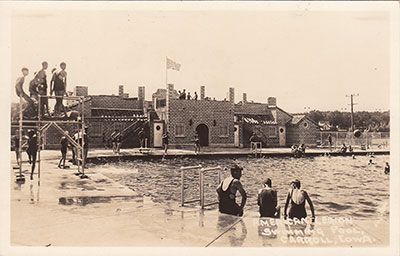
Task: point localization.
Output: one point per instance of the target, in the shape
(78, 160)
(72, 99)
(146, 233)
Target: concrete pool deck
(104, 155)
(64, 210)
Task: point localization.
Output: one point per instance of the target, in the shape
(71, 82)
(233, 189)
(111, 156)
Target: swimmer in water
(296, 200)
(370, 160)
(226, 191)
(387, 168)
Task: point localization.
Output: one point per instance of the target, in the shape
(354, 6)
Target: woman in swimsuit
(296, 200)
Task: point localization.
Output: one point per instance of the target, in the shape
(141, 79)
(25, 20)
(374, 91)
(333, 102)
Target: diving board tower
(42, 126)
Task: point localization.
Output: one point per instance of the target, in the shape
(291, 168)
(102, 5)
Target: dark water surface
(338, 186)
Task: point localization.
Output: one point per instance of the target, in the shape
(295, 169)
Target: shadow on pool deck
(64, 210)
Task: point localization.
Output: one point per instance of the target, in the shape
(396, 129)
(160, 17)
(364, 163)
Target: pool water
(338, 186)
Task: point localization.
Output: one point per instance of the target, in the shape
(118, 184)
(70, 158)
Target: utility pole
(351, 107)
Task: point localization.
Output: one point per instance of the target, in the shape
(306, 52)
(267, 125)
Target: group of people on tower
(38, 86)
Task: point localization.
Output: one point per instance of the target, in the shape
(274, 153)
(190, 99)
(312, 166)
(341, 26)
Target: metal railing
(256, 148)
(201, 171)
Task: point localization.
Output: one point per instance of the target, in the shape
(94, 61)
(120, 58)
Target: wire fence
(367, 140)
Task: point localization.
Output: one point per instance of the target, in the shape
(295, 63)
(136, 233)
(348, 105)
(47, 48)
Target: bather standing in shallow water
(227, 193)
(296, 200)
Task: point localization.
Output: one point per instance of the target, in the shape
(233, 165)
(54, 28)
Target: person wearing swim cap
(268, 200)
(296, 200)
(227, 193)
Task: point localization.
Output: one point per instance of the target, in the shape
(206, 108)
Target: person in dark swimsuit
(42, 89)
(165, 142)
(387, 168)
(16, 145)
(64, 148)
(227, 193)
(32, 150)
(296, 200)
(58, 84)
(268, 200)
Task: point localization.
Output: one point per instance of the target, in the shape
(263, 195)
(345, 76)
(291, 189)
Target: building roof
(109, 113)
(298, 117)
(258, 119)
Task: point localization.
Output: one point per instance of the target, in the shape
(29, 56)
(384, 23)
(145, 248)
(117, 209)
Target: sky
(307, 59)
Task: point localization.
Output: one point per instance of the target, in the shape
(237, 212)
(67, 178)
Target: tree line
(370, 121)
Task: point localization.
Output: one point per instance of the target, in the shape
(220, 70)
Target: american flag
(173, 65)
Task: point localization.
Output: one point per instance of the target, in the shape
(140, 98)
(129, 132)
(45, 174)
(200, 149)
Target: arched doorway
(202, 131)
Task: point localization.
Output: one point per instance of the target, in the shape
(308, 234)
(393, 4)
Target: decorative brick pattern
(231, 95)
(304, 131)
(202, 92)
(192, 113)
(81, 91)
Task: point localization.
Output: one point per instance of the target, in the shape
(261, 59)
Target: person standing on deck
(296, 200)
(15, 140)
(330, 142)
(268, 200)
(58, 84)
(165, 138)
(85, 146)
(141, 136)
(196, 144)
(32, 150)
(64, 148)
(42, 89)
(226, 191)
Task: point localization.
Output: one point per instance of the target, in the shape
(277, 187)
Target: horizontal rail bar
(210, 169)
(190, 167)
(24, 126)
(192, 201)
(64, 97)
(210, 204)
(55, 121)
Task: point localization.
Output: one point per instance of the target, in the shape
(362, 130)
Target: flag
(173, 65)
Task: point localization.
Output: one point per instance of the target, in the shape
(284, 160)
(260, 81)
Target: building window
(305, 124)
(97, 129)
(180, 130)
(224, 132)
(272, 131)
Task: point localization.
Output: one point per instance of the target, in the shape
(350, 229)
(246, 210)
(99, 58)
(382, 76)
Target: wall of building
(303, 132)
(201, 112)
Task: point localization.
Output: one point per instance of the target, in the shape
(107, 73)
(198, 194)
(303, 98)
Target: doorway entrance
(202, 131)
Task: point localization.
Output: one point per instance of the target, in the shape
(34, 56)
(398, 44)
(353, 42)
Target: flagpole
(166, 73)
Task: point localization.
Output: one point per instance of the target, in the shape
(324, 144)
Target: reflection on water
(86, 200)
(338, 186)
(235, 229)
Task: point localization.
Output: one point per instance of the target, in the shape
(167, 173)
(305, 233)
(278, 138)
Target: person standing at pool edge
(64, 147)
(165, 142)
(226, 191)
(296, 200)
(32, 150)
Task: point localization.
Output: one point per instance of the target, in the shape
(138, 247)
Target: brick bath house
(218, 123)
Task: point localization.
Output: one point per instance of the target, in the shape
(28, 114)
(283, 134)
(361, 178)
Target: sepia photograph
(133, 126)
